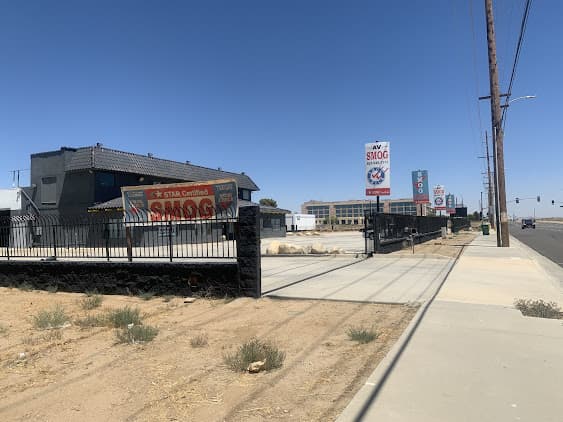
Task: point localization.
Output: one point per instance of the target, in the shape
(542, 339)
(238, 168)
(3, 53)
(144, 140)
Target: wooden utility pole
(491, 201)
(498, 142)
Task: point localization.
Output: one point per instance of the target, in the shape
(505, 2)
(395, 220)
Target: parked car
(528, 222)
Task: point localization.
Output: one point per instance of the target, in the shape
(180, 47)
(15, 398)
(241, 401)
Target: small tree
(269, 202)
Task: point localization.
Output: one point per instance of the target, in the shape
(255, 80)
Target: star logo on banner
(158, 194)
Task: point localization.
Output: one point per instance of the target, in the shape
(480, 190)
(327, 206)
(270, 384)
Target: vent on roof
(188, 161)
(219, 168)
(99, 145)
(150, 155)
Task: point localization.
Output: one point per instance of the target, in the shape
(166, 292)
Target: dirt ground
(86, 375)
(449, 247)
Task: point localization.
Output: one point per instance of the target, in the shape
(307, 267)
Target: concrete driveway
(389, 279)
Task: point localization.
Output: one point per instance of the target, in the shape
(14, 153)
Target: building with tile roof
(71, 180)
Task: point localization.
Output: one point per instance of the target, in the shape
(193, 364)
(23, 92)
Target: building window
(105, 180)
(49, 190)
(320, 211)
(244, 194)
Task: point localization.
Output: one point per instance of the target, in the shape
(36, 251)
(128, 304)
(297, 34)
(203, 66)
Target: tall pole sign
(450, 204)
(420, 190)
(378, 169)
(439, 198)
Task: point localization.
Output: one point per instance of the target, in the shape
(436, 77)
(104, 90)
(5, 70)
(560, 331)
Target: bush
(52, 288)
(252, 351)
(91, 301)
(136, 334)
(54, 318)
(200, 340)
(53, 335)
(122, 317)
(90, 321)
(25, 286)
(538, 308)
(146, 295)
(361, 335)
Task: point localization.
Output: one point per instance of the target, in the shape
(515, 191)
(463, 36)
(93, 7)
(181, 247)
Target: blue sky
(288, 92)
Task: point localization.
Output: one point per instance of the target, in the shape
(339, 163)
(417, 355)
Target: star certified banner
(439, 197)
(420, 190)
(180, 201)
(378, 169)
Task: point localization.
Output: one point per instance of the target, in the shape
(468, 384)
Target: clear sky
(287, 91)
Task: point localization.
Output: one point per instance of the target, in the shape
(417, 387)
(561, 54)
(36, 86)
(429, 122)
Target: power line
(475, 73)
(523, 26)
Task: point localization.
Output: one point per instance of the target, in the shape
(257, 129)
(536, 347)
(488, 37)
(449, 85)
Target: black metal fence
(381, 230)
(107, 236)
(459, 223)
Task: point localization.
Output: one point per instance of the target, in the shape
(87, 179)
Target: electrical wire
(523, 26)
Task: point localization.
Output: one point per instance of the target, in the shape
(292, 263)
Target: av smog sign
(378, 169)
(439, 197)
(450, 204)
(180, 201)
(420, 190)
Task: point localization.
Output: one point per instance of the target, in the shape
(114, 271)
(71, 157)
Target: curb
(545, 264)
(360, 403)
(378, 376)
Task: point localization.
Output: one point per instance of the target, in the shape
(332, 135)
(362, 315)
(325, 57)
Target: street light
(498, 128)
(525, 97)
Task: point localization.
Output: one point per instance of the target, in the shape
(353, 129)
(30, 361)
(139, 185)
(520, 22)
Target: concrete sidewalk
(474, 357)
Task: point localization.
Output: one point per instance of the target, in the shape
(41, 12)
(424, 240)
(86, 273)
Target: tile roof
(117, 204)
(101, 158)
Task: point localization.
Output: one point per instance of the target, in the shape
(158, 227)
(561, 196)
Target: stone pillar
(248, 251)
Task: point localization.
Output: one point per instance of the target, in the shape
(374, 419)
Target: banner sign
(180, 201)
(378, 169)
(439, 197)
(450, 203)
(420, 190)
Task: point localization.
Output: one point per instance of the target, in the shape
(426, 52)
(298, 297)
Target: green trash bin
(485, 228)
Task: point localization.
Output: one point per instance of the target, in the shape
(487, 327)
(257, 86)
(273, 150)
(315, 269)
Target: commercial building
(352, 212)
(72, 181)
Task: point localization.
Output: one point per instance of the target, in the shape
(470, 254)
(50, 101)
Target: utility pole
(491, 201)
(498, 142)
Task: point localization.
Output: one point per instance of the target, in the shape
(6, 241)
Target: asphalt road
(546, 238)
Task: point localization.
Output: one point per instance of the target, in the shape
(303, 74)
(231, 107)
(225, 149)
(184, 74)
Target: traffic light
(538, 198)
(517, 200)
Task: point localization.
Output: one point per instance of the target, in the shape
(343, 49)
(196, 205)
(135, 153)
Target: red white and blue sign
(378, 169)
(439, 198)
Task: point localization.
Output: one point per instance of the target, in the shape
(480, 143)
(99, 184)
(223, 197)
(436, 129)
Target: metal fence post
(106, 235)
(376, 239)
(170, 250)
(366, 234)
(55, 241)
(8, 241)
(129, 243)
